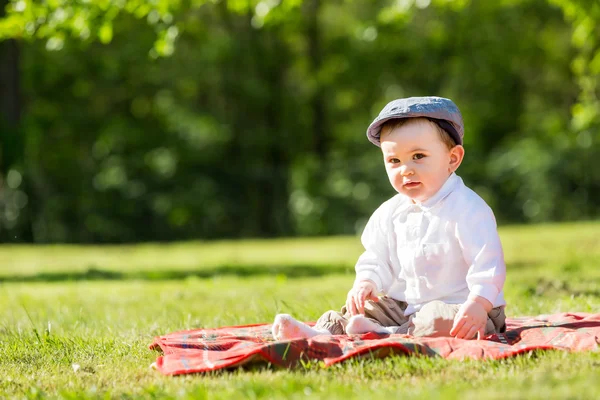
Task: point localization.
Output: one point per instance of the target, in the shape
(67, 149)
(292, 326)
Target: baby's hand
(470, 320)
(361, 292)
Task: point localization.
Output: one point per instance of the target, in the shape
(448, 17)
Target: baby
(433, 263)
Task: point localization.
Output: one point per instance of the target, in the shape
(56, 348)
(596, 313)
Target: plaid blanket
(203, 350)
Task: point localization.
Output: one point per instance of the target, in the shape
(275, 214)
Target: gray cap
(443, 111)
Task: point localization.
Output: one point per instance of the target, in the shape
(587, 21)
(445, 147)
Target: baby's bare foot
(286, 327)
(360, 324)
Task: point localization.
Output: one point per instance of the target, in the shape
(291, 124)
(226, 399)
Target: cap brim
(374, 130)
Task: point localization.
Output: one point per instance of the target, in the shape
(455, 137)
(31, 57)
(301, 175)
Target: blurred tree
(584, 15)
(10, 102)
(11, 141)
(173, 120)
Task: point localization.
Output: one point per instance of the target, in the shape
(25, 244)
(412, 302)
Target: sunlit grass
(88, 337)
(523, 244)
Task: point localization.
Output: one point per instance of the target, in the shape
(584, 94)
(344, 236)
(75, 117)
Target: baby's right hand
(361, 292)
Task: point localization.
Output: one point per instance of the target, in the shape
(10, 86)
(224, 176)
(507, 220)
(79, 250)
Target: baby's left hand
(471, 319)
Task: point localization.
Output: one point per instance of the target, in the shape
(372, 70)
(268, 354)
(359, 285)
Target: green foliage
(168, 120)
(88, 338)
(56, 20)
(584, 16)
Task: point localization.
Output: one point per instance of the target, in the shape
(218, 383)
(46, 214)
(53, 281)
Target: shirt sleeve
(374, 263)
(482, 250)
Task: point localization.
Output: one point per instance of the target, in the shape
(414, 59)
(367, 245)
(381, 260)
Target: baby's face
(416, 160)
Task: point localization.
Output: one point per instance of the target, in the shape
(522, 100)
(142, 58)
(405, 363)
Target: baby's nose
(406, 170)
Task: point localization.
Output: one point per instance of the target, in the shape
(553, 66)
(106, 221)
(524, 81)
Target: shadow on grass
(166, 273)
(561, 287)
(95, 274)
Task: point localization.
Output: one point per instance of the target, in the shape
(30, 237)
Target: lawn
(76, 321)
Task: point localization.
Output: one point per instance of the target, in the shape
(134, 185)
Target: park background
(185, 164)
(132, 121)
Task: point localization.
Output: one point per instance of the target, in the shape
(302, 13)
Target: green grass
(99, 307)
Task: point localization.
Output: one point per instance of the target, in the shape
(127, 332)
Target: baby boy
(433, 263)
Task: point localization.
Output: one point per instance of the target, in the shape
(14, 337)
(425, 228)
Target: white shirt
(442, 249)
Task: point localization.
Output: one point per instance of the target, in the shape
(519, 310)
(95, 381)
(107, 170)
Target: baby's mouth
(411, 185)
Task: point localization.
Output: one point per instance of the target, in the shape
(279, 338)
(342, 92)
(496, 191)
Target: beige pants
(432, 320)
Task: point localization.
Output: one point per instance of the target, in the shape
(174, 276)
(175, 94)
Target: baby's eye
(418, 156)
(394, 160)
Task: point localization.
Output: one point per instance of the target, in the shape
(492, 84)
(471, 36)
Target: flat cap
(442, 111)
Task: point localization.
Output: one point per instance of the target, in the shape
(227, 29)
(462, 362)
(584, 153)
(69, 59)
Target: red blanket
(202, 350)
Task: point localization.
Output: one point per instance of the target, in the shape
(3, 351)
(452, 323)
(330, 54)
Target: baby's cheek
(394, 176)
(398, 182)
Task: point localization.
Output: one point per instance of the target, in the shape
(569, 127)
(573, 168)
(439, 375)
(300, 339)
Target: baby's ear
(457, 153)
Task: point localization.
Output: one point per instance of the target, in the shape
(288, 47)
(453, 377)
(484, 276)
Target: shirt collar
(441, 194)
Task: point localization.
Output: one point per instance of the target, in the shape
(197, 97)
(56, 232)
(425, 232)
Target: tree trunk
(313, 34)
(11, 140)
(10, 102)
(276, 219)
